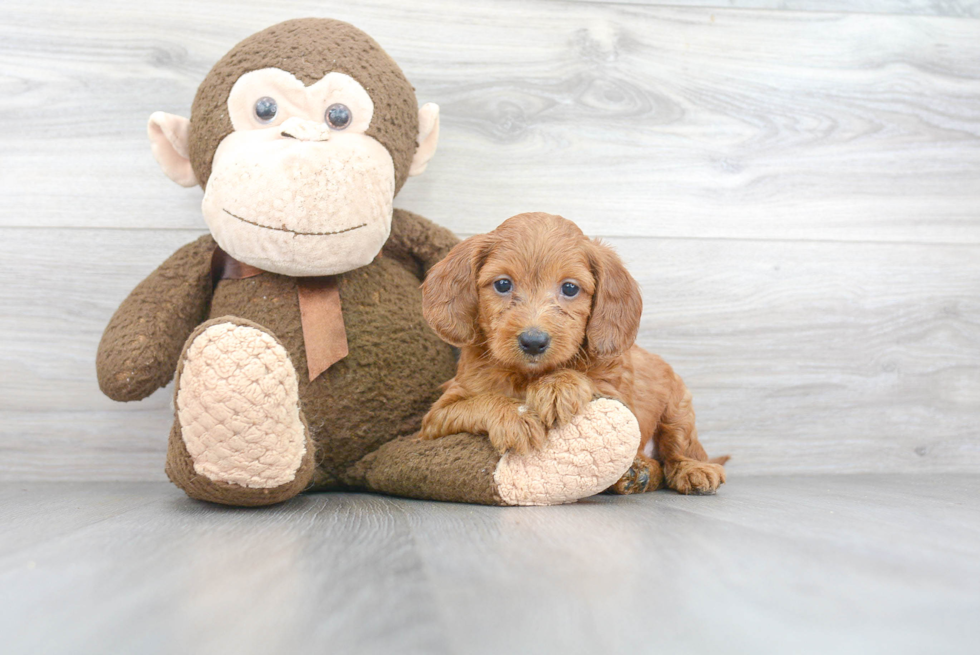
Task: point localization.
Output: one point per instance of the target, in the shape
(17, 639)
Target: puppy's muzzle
(533, 341)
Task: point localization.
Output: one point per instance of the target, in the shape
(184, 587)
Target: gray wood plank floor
(807, 564)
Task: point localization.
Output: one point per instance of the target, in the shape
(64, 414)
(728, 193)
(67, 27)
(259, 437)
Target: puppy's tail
(720, 460)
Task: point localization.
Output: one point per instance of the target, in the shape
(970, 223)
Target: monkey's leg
(578, 460)
(239, 436)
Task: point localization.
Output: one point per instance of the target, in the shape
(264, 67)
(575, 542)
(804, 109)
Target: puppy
(546, 319)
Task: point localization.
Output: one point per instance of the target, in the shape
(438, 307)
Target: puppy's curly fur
(546, 320)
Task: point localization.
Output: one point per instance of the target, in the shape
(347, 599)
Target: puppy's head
(535, 293)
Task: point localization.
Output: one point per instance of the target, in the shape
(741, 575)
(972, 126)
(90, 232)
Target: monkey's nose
(304, 130)
(534, 341)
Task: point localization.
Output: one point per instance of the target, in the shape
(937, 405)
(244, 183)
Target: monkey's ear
(169, 139)
(449, 294)
(428, 137)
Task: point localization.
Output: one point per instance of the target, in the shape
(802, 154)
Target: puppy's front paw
(559, 397)
(521, 432)
(432, 427)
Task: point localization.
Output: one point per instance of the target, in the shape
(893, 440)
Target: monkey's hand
(414, 238)
(559, 396)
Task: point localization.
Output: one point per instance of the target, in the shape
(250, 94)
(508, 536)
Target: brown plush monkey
(295, 328)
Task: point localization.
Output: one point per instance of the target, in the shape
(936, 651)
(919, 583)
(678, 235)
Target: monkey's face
(299, 163)
(298, 188)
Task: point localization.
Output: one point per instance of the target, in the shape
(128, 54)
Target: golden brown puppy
(546, 319)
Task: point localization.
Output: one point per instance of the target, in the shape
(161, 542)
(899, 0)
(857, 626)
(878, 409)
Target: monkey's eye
(338, 116)
(569, 290)
(266, 109)
(503, 285)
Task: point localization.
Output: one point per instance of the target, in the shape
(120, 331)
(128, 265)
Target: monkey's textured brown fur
(384, 386)
(378, 392)
(458, 468)
(309, 48)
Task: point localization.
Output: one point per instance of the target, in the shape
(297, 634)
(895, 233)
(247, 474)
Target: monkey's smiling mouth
(304, 234)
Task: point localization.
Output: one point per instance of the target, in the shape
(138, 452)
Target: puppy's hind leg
(686, 465)
(644, 474)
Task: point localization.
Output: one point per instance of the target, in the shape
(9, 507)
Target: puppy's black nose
(534, 341)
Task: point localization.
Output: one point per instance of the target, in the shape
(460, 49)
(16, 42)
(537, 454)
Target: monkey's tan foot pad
(238, 417)
(580, 459)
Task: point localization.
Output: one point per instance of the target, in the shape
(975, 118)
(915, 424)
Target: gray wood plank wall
(797, 190)
(957, 8)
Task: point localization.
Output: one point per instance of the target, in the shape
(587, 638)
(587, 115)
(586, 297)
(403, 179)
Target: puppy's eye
(503, 285)
(569, 290)
(266, 109)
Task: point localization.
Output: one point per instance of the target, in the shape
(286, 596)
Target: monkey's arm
(418, 241)
(141, 345)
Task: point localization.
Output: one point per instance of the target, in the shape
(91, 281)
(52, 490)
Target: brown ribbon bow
(324, 334)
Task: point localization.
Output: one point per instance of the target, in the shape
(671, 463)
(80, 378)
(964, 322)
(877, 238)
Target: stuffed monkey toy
(294, 330)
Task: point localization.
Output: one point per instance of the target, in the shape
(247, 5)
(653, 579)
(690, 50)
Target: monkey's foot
(239, 437)
(580, 459)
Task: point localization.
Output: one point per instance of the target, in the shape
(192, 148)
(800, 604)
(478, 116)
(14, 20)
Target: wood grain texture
(633, 120)
(802, 356)
(953, 8)
(819, 564)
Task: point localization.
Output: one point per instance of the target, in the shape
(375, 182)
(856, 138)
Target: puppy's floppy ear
(616, 304)
(449, 294)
